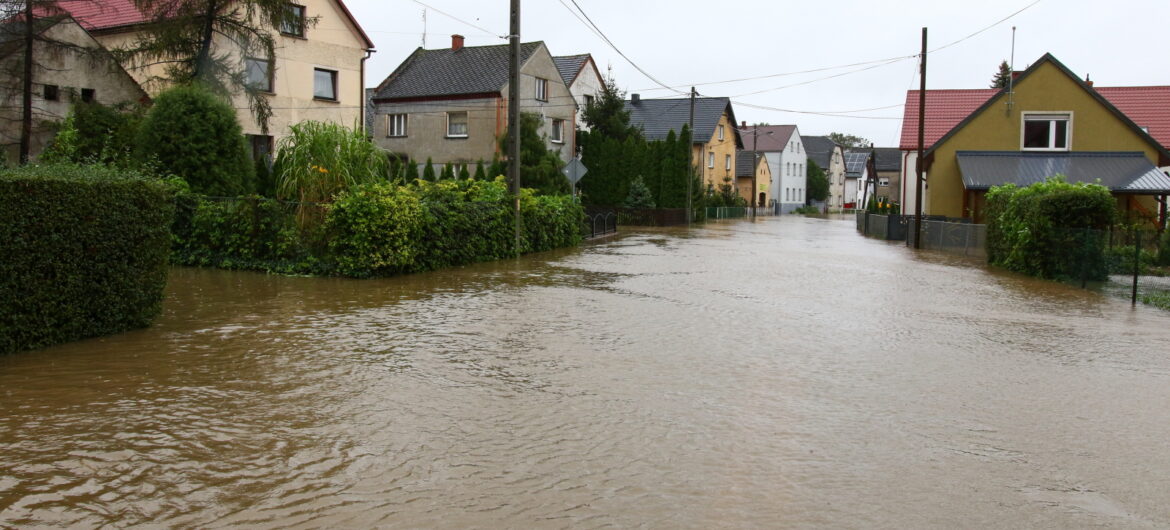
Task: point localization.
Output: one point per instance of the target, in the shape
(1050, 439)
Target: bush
(807, 210)
(1052, 229)
(1164, 248)
(248, 233)
(376, 230)
(192, 133)
(96, 133)
(321, 159)
(85, 253)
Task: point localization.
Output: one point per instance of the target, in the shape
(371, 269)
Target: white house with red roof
(318, 72)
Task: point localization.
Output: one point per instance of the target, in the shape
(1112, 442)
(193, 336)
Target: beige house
(583, 79)
(830, 157)
(69, 66)
(318, 72)
(715, 140)
(451, 104)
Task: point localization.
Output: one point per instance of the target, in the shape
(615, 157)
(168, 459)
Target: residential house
(451, 104)
(858, 169)
(752, 172)
(69, 66)
(787, 157)
(715, 140)
(583, 78)
(830, 156)
(1050, 122)
(887, 162)
(318, 72)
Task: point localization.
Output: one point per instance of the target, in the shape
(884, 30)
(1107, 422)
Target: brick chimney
(1088, 81)
(743, 124)
(456, 42)
(635, 98)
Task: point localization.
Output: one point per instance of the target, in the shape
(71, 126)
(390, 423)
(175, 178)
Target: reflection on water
(784, 372)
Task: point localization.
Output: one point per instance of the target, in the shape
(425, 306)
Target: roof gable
(657, 117)
(855, 163)
(447, 72)
(769, 138)
(820, 149)
(570, 66)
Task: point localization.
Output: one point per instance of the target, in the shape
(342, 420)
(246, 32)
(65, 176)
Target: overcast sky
(685, 42)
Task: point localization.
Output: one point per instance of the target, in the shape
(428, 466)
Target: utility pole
(755, 166)
(27, 85)
(691, 177)
(921, 148)
(514, 115)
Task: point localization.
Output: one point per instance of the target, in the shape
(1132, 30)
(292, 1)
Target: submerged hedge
(84, 253)
(377, 229)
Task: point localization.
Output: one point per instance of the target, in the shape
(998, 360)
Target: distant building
(715, 140)
(887, 163)
(584, 80)
(858, 168)
(751, 169)
(788, 160)
(830, 156)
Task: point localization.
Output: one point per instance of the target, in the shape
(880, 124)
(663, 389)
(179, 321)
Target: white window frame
(396, 125)
(557, 132)
(466, 125)
(721, 133)
(541, 89)
(727, 162)
(884, 181)
(710, 159)
(1052, 118)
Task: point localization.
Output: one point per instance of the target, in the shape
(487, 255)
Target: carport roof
(1121, 172)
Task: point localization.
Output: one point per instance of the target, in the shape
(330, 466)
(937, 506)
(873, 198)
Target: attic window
(1046, 132)
(541, 89)
(293, 23)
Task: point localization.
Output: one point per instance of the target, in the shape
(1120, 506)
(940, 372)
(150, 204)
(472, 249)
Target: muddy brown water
(781, 373)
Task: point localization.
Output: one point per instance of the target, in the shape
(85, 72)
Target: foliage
(85, 253)
(613, 165)
(96, 133)
(377, 228)
(816, 182)
(252, 233)
(1002, 77)
(193, 134)
(479, 171)
(1120, 260)
(849, 141)
(807, 210)
(639, 196)
(1164, 249)
(1051, 229)
(725, 196)
(429, 171)
(318, 160)
(181, 36)
(540, 168)
(607, 116)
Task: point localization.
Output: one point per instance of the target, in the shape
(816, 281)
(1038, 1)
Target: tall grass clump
(320, 159)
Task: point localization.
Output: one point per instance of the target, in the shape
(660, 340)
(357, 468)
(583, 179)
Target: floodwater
(777, 373)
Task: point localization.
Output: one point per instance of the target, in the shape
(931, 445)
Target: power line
(819, 79)
(615, 48)
(1000, 21)
(888, 60)
(457, 19)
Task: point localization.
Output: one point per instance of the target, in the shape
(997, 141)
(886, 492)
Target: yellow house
(753, 172)
(715, 141)
(318, 72)
(1050, 122)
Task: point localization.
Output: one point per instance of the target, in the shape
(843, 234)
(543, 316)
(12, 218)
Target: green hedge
(84, 253)
(374, 229)
(1052, 229)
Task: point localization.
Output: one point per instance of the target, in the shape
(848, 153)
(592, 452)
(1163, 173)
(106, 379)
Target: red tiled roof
(944, 110)
(106, 14)
(1147, 106)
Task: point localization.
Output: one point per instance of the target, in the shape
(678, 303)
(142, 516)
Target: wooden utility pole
(26, 117)
(921, 148)
(755, 166)
(691, 177)
(514, 115)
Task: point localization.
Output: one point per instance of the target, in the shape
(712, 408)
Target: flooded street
(781, 373)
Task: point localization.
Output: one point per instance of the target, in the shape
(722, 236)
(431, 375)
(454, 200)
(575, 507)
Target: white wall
(587, 83)
(789, 174)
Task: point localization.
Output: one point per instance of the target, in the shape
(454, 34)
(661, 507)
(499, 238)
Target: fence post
(1137, 262)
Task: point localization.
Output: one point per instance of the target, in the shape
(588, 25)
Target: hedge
(85, 253)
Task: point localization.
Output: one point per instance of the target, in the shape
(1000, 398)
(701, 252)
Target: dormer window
(1047, 132)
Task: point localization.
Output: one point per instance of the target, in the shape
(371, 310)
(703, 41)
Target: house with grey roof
(584, 80)
(787, 159)
(715, 139)
(830, 157)
(887, 163)
(753, 173)
(858, 168)
(451, 104)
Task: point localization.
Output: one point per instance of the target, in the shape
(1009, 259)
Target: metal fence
(599, 222)
(965, 239)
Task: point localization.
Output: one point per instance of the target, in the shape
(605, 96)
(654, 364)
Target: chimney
(1088, 81)
(743, 124)
(635, 98)
(456, 42)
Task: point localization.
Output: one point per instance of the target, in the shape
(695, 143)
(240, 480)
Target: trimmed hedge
(85, 253)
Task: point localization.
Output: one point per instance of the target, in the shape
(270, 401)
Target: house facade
(887, 163)
(787, 161)
(318, 72)
(1050, 123)
(715, 140)
(753, 172)
(584, 80)
(70, 67)
(858, 187)
(830, 156)
(451, 104)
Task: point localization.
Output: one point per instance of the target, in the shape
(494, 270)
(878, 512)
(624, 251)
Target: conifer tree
(1002, 77)
(410, 172)
(429, 171)
(479, 171)
(463, 173)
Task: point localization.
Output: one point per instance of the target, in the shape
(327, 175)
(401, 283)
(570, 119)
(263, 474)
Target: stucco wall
(586, 83)
(722, 148)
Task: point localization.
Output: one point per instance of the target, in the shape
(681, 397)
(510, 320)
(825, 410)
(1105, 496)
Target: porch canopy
(1121, 172)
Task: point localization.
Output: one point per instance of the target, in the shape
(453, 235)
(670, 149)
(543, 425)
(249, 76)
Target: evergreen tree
(479, 171)
(1003, 77)
(410, 172)
(429, 171)
(540, 168)
(607, 115)
(639, 196)
(463, 173)
(498, 169)
(448, 171)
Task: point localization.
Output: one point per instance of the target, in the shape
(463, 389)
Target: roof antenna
(1012, 76)
(424, 35)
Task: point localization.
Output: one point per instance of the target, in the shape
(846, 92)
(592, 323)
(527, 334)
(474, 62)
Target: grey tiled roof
(820, 149)
(887, 159)
(471, 70)
(745, 163)
(570, 65)
(855, 163)
(1121, 172)
(657, 117)
(769, 138)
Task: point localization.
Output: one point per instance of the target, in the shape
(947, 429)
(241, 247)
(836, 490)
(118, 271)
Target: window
(396, 125)
(711, 160)
(727, 162)
(88, 95)
(884, 181)
(720, 133)
(324, 84)
(457, 124)
(557, 135)
(261, 147)
(588, 100)
(294, 21)
(259, 72)
(1048, 132)
(52, 93)
(541, 89)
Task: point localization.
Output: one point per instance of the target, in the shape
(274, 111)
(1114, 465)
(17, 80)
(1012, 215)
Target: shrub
(318, 160)
(376, 229)
(1164, 248)
(247, 233)
(1051, 229)
(96, 133)
(192, 133)
(640, 196)
(85, 253)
